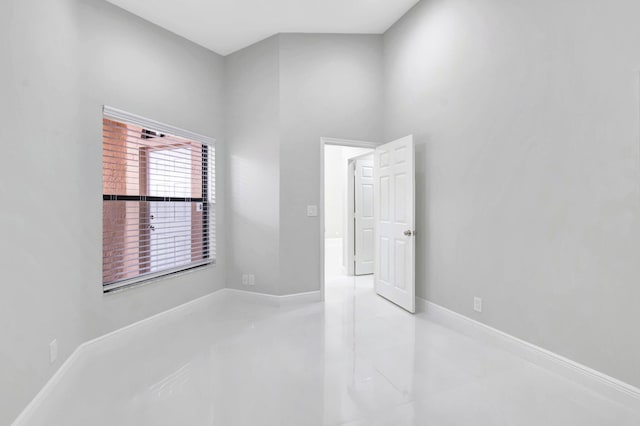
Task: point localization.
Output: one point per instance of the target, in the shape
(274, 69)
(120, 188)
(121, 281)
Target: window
(158, 192)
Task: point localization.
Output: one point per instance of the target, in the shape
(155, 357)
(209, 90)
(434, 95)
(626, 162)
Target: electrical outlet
(312, 211)
(252, 279)
(53, 351)
(245, 279)
(477, 304)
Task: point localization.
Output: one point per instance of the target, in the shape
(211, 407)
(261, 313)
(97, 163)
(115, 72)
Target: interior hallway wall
(61, 61)
(336, 169)
(336, 196)
(525, 116)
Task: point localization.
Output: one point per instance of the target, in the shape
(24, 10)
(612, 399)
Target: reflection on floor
(333, 260)
(355, 360)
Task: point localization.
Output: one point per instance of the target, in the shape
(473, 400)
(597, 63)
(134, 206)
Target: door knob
(409, 232)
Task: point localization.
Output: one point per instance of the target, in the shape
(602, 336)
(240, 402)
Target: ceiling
(225, 26)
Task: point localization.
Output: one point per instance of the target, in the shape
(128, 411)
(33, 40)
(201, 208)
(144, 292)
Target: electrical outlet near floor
(252, 279)
(245, 279)
(53, 351)
(477, 304)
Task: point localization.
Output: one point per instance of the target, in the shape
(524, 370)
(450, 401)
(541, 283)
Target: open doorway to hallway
(381, 239)
(343, 232)
(343, 218)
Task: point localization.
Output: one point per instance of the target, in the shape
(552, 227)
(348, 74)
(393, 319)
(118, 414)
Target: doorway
(392, 195)
(339, 159)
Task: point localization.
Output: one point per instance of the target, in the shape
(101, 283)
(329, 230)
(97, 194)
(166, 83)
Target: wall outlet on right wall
(477, 304)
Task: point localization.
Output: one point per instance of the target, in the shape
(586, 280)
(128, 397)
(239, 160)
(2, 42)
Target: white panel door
(394, 209)
(364, 222)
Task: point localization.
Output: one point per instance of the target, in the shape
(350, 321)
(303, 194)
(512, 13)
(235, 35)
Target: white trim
(49, 387)
(349, 241)
(138, 120)
(601, 383)
(137, 281)
(276, 300)
(341, 142)
(184, 309)
(26, 414)
(349, 142)
(610, 387)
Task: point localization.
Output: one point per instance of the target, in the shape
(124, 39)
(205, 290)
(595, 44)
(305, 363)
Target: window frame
(208, 202)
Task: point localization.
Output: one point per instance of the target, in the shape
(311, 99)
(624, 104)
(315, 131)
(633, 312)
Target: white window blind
(158, 199)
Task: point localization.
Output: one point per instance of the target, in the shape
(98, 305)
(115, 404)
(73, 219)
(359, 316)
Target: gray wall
(284, 93)
(253, 129)
(61, 61)
(330, 85)
(526, 121)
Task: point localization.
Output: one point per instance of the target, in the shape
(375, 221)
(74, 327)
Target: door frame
(340, 142)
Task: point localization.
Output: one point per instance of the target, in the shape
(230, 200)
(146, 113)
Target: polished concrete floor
(354, 360)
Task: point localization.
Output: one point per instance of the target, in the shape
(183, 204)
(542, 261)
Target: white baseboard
(81, 350)
(605, 385)
(610, 387)
(48, 388)
(272, 299)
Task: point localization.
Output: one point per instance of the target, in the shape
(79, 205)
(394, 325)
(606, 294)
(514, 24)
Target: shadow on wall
(423, 182)
(254, 224)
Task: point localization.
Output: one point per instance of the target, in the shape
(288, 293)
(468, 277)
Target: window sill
(160, 276)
